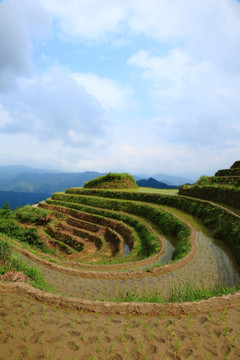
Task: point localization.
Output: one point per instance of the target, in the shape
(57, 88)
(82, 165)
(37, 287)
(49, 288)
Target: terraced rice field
(111, 245)
(212, 266)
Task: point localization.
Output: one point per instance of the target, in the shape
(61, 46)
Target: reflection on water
(126, 250)
(217, 257)
(214, 256)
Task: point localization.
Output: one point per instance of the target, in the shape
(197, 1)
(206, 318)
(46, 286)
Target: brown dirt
(13, 276)
(30, 330)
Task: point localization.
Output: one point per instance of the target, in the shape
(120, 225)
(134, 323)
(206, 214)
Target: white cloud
(90, 19)
(201, 101)
(209, 28)
(106, 91)
(5, 118)
(171, 72)
(17, 24)
(54, 106)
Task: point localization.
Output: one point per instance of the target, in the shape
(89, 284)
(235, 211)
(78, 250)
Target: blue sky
(120, 85)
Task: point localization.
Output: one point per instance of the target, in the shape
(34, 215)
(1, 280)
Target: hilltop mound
(112, 181)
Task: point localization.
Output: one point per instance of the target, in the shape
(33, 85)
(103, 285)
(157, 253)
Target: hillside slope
(223, 188)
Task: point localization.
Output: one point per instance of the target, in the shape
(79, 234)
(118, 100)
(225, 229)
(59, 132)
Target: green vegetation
(30, 215)
(158, 191)
(10, 226)
(223, 188)
(5, 250)
(178, 293)
(204, 180)
(8, 262)
(112, 181)
(228, 172)
(223, 194)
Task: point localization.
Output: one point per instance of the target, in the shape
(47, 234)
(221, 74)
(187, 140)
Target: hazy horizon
(140, 174)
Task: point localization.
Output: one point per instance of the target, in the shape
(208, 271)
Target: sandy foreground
(32, 330)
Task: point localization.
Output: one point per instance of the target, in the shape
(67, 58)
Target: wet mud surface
(30, 330)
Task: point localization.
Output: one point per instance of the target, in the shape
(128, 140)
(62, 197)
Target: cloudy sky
(120, 85)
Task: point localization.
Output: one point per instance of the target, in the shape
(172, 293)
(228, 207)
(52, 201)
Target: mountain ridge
(18, 178)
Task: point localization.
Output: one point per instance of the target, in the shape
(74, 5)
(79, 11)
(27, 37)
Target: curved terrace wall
(217, 303)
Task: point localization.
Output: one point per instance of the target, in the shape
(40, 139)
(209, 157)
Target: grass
(158, 191)
(182, 292)
(12, 262)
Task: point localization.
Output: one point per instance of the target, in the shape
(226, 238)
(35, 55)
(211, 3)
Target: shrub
(28, 214)
(204, 180)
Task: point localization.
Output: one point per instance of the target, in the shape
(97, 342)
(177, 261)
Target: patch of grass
(10, 227)
(5, 250)
(182, 292)
(28, 214)
(187, 292)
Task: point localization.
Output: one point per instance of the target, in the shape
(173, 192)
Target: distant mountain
(141, 176)
(16, 199)
(153, 183)
(26, 179)
(172, 180)
(36, 182)
(167, 179)
(11, 171)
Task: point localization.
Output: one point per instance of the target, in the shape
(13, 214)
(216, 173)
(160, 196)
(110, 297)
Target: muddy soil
(30, 330)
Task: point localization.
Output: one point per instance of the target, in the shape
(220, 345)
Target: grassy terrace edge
(218, 193)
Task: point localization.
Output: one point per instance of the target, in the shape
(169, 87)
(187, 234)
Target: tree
(6, 207)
